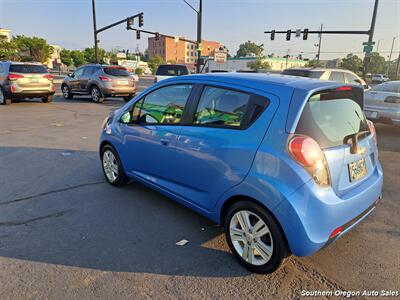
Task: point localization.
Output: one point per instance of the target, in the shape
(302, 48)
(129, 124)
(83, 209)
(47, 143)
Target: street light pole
(199, 21)
(370, 37)
(390, 55)
(96, 47)
(319, 45)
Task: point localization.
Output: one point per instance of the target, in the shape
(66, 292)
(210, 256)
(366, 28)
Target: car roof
(320, 69)
(261, 81)
(171, 65)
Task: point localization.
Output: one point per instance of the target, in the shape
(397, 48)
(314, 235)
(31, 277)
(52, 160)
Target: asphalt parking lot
(66, 233)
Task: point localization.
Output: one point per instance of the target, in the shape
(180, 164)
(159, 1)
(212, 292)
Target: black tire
(128, 98)
(280, 249)
(121, 178)
(66, 92)
(47, 99)
(99, 98)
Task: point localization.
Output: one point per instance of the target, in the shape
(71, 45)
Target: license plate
(371, 114)
(34, 80)
(357, 169)
(123, 82)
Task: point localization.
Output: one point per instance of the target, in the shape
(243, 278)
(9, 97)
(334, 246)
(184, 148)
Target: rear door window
(28, 69)
(172, 70)
(330, 117)
(336, 76)
(116, 71)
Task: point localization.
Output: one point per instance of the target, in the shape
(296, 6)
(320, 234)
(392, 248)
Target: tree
(139, 71)
(65, 56)
(8, 50)
(154, 62)
(78, 58)
(376, 64)
(90, 56)
(352, 62)
(37, 48)
(259, 64)
(313, 63)
(250, 48)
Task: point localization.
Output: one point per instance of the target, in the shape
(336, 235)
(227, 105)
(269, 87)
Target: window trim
(247, 119)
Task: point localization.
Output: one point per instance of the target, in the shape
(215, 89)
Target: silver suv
(25, 80)
(338, 75)
(99, 81)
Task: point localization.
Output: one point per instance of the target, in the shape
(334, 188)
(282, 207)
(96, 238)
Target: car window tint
(303, 73)
(165, 105)
(116, 71)
(89, 71)
(336, 76)
(351, 78)
(79, 72)
(172, 70)
(20, 68)
(218, 106)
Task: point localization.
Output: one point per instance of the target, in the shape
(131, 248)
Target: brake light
(336, 232)
(104, 78)
(344, 88)
(373, 130)
(309, 154)
(48, 76)
(12, 88)
(13, 76)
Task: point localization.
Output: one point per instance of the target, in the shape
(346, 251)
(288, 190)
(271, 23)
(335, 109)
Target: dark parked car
(99, 81)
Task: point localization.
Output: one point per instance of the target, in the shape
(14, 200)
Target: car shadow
(60, 210)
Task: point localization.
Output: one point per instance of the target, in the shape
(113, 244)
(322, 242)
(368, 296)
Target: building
(54, 62)
(242, 63)
(180, 51)
(6, 33)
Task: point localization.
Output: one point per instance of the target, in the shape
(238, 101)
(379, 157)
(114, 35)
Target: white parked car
(170, 70)
(382, 103)
(379, 78)
(338, 75)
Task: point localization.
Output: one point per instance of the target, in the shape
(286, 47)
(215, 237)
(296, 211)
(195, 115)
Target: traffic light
(288, 34)
(138, 34)
(141, 20)
(157, 36)
(272, 35)
(129, 23)
(305, 34)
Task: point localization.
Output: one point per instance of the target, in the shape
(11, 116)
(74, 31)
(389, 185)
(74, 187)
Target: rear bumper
(108, 90)
(384, 115)
(311, 214)
(31, 94)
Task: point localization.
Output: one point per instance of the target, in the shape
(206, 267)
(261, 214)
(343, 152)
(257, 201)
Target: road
(66, 233)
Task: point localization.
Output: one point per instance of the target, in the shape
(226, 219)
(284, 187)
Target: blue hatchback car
(286, 164)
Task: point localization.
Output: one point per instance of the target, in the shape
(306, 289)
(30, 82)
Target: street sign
(298, 32)
(368, 48)
(220, 56)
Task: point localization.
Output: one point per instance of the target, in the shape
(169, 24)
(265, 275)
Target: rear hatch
(120, 76)
(335, 120)
(30, 76)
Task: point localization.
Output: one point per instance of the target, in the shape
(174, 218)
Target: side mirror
(126, 118)
(366, 87)
(71, 75)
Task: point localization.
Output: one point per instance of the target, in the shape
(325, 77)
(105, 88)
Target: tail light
(336, 232)
(13, 76)
(309, 154)
(48, 76)
(12, 88)
(373, 130)
(104, 78)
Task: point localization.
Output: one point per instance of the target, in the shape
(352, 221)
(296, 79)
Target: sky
(69, 23)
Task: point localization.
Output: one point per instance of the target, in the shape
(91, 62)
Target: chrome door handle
(164, 142)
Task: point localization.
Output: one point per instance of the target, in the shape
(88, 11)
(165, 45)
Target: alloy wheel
(95, 94)
(1, 96)
(110, 166)
(251, 237)
(65, 92)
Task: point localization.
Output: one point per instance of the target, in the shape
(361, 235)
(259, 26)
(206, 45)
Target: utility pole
(398, 66)
(319, 45)
(287, 57)
(199, 21)
(96, 46)
(390, 56)
(367, 57)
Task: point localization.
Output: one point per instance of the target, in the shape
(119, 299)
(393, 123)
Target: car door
(148, 149)
(216, 151)
(74, 82)
(83, 81)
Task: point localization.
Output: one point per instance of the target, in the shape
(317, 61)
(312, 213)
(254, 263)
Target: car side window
(165, 105)
(88, 71)
(1, 68)
(351, 78)
(79, 72)
(336, 76)
(223, 107)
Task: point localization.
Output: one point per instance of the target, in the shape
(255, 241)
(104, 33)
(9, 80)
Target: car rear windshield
(114, 71)
(37, 69)
(303, 73)
(332, 117)
(172, 70)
